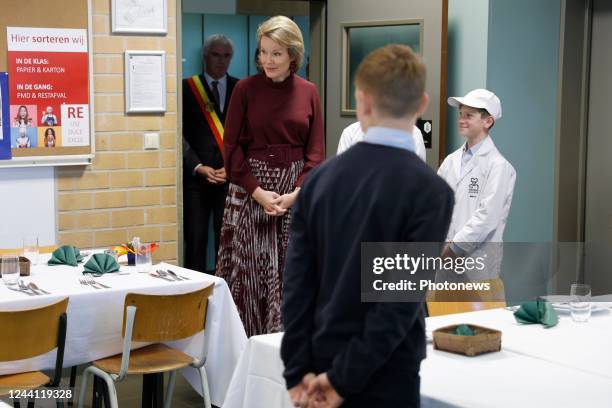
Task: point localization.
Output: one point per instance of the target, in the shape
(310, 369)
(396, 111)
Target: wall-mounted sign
(48, 88)
(426, 127)
(145, 81)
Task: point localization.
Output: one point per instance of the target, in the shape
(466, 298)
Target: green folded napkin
(66, 255)
(101, 263)
(539, 311)
(464, 330)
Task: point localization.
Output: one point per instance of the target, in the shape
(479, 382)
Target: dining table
(568, 365)
(95, 318)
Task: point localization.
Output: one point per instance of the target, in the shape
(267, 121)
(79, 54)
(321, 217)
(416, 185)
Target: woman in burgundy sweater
(273, 137)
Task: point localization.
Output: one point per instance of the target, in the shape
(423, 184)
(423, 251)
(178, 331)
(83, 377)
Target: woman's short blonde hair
(285, 32)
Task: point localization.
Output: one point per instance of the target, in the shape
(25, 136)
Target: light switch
(151, 141)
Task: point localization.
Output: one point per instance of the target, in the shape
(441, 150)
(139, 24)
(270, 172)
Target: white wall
(27, 205)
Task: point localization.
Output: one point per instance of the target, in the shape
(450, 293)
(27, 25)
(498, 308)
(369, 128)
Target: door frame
(571, 151)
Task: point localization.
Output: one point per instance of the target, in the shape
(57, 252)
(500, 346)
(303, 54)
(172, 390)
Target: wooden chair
(27, 334)
(43, 250)
(155, 318)
(443, 303)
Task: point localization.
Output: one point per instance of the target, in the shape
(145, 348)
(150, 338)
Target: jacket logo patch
(473, 187)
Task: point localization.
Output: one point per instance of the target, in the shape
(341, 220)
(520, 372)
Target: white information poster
(145, 81)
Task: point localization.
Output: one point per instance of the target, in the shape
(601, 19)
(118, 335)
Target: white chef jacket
(353, 134)
(483, 195)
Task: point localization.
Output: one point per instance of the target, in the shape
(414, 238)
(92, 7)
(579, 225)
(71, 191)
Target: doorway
(598, 207)
(238, 22)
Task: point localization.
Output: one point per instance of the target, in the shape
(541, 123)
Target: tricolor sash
(208, 108)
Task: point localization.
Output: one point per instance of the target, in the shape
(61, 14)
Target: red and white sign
(48, 75)
(75, 125)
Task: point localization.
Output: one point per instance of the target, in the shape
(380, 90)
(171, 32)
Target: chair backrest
(29, 333)
(448, 302)
(167, 317)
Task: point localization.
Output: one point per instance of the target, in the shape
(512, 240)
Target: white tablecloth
(95, 319)
(526, 373)
(258, 379)
(581, 346)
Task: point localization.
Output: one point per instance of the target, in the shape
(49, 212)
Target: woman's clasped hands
(273, 203)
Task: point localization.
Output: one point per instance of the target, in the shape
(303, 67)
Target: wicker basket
(484, 340)
(24, 266)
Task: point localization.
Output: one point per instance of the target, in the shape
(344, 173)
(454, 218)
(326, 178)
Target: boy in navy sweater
(336, 348)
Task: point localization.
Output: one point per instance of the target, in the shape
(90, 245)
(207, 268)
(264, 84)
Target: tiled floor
(129, 393)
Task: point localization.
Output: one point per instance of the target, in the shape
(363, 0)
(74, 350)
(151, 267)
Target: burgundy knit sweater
(262, 113)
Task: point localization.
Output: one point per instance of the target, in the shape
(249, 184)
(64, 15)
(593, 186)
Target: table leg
(73, 374)
(96, 401)
(105, 394)
(153, 390)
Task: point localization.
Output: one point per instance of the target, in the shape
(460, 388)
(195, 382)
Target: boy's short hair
(395, 77)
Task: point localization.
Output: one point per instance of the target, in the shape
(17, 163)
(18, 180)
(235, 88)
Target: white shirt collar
(222, 81)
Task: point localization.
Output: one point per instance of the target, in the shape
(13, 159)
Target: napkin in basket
(537, 311)
(66, 255)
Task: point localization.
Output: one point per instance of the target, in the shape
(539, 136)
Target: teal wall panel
(192, 44)
(235, 28)
(254, 22)
(522, 69)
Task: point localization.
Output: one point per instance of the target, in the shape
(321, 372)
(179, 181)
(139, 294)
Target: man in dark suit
(205, 102)
(336, 348)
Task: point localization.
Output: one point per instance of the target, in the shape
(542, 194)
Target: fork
(161, 276)
(167, 275)
(85, 283)
(93, 282)
(21, 291)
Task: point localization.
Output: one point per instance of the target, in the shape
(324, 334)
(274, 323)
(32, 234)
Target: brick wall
(128, 191)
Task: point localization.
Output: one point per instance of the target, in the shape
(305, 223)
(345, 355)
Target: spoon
(33, 286)
(177, 276)
(25, 287)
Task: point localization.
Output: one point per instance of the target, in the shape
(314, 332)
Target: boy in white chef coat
(353, 134)
(483, 181)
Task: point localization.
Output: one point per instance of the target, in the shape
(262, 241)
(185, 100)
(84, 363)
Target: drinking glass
(30, 248)
(112, 253)
(580, 302)
(144, 261)
(10, 270)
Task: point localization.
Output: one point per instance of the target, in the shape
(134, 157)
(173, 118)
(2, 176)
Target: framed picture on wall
(361, 38)
(140, 16)
(145, 81)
